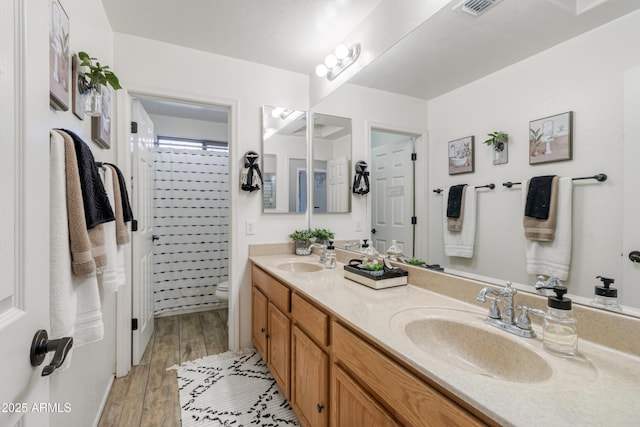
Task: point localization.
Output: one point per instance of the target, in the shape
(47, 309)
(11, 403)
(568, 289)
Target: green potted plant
(95, 74)
(323, 235)
(498, 142)
(302, 240)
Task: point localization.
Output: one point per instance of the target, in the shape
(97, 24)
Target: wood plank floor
(148, 396)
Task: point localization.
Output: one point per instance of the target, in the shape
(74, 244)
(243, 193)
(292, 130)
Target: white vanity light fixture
(335, 63)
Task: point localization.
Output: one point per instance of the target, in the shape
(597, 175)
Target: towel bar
(601, 177)
(489, 186)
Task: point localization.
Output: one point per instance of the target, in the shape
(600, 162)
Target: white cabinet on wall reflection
(284, 160)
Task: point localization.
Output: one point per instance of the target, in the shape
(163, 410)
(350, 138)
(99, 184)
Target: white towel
(553, 258)
(460, 243)
(110, 279)
(62, 294)
(74, 300)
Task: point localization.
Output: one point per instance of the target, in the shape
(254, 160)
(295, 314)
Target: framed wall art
(101, 125)
(59, 58)
(461, 155)
(77, 87)
(551, 139)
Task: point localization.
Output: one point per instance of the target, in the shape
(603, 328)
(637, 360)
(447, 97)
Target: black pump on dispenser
(558, 301)
(606, 295)
(606, 290)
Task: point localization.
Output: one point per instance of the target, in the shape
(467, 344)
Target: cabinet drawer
(276, 292)
(408, 398)
(314, 321)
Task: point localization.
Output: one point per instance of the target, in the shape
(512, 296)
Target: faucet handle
(494, 311)
(524, 322)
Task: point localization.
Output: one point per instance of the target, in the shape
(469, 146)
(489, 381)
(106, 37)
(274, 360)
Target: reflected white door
(142, 242)
(24, 225)
(392, 188)
(629, 286)
(338, 185)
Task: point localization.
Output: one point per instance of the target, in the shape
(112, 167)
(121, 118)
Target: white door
(392, 189)
(142, 243)
(337, 185)
(24, 225)
(629, 287)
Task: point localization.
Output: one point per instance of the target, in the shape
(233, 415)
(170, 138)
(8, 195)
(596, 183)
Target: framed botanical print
(461, 156)
(101, 125)
(59, 58)
(551, 139)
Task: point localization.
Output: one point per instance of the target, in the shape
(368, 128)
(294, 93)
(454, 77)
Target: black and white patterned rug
(231, 389)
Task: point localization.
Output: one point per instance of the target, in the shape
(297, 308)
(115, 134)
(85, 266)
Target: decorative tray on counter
(380, 279)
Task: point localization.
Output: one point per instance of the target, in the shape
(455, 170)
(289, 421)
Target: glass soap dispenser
(394, 251)
(560, 335)
(330, 255)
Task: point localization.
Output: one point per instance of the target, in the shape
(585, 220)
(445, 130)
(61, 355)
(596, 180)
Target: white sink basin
(462, 339)
(478, 349)
(299, 267)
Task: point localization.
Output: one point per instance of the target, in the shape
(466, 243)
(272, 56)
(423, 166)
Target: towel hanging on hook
(251, 177)
(361, 180)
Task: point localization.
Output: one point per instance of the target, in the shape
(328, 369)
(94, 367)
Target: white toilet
(222, 291)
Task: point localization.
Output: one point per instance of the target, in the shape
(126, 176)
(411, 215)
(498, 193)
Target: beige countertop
(600, 387)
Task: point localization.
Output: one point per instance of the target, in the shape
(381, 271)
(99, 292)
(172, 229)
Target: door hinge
(414, 220)
(134, 324)
(134, 127)
(414, 157)
(134, 225)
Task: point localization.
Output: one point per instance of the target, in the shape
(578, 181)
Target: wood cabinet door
(259, 321)
(351, 406)
(309, 385)
(279, 342)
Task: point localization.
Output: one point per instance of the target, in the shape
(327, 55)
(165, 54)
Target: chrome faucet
(542, 286)
(323, 251)
(505, 320)
(348, 245)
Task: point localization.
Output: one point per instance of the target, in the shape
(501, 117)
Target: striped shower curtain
(192, 221)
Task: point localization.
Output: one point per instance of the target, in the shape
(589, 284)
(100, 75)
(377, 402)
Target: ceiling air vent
(476, 7)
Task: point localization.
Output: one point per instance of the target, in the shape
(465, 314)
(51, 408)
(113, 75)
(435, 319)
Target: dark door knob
(374, 231)
(155, 237)
(634, 256)
(41, 345)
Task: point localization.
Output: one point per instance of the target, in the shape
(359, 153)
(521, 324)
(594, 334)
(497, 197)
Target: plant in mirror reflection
(322, 235)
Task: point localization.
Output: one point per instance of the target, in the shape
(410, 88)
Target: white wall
(584, 75)
(188, 128)
(86, 383)
(369, 108)
(154, 68)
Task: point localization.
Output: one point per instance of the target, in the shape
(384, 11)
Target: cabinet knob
(262, 330)
(320, 407)
(268, 336)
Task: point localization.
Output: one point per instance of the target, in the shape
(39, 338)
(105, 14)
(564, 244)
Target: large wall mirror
(331, 146)
(603, 229)
(284, 160)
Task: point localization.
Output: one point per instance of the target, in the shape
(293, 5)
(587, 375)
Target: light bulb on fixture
(335, 64)
(330, 61)
(341, 52)
(276, 112)
(321, 70)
